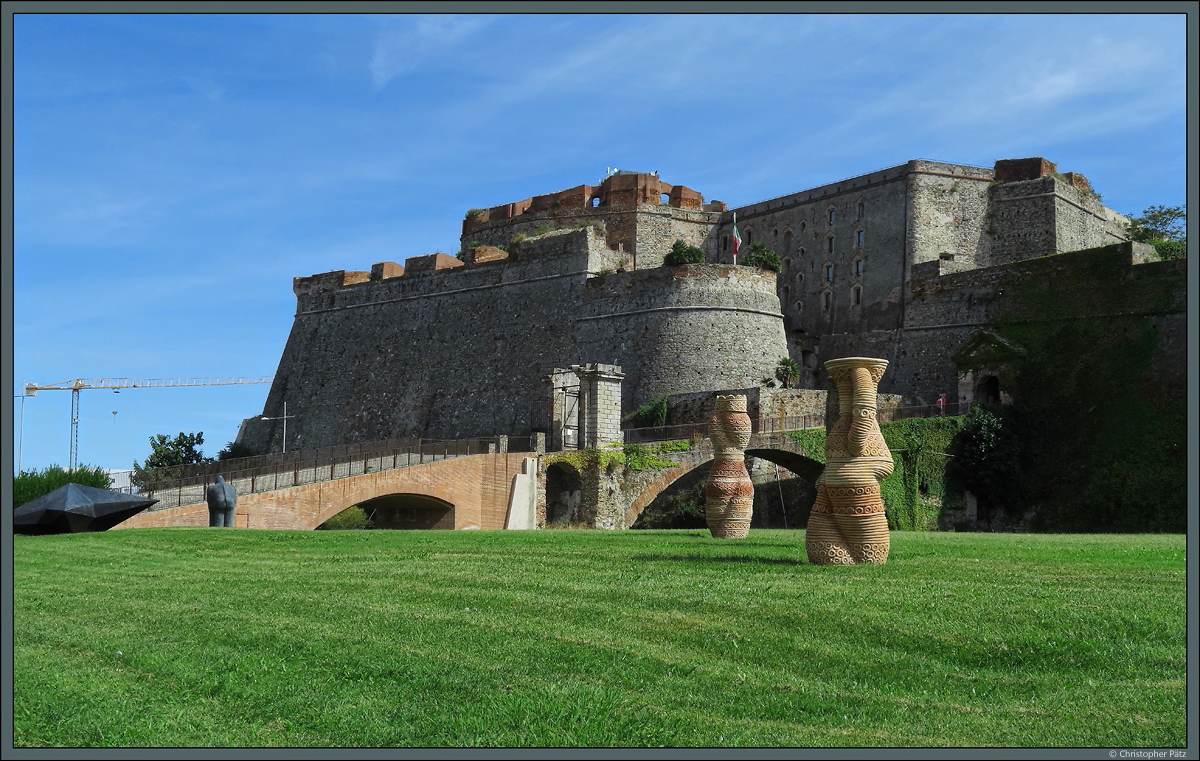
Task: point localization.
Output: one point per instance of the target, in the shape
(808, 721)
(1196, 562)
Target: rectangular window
(829, 272)
(831, 215)
(860, 238)
(860, 210)
(858, 267)
(829, 245)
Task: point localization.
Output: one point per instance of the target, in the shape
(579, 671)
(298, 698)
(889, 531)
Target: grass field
(212, 637)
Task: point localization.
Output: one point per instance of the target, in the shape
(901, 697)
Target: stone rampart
(461, 351)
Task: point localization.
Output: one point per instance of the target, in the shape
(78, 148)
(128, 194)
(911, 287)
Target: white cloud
(401, 49)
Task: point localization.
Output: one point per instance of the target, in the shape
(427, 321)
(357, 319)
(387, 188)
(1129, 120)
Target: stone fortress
(906, 264)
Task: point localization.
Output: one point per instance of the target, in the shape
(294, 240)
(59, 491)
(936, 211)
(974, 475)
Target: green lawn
(217, 637)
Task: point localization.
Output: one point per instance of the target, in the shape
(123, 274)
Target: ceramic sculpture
(729, 493)
(847, 524)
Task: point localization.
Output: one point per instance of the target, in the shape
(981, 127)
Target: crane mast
(116, 384)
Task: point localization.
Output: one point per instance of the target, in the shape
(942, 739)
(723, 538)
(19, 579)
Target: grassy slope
(209, 637)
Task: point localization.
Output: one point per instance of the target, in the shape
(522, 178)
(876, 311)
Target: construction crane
(116, 384)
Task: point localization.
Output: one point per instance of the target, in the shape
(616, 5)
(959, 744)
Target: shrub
(351, 519)
(652, 414)
(682, 253)
(986, 461)
(31, 484)
(762, 257)
(234, 450)
(1169, 250)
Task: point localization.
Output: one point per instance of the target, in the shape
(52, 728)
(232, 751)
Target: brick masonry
(477, 486)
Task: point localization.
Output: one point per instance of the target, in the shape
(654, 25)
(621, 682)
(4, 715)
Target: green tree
(167, 456)
(986, 462)
(788, 372)
(31, 484)
(682, 253)
(1163, 227)
(762, 257)
(234, 450)
(184, 449)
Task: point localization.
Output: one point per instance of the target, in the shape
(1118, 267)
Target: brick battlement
(619, 191)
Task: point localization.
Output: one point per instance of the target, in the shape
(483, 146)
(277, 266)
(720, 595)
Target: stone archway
(646, 487)
(564, 494)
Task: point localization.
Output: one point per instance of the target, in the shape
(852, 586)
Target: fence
(187, 484)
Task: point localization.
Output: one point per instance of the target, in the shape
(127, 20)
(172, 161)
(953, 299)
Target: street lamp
(284, 418)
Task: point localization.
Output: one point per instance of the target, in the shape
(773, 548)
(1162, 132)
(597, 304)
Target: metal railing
(250, 475)
(696, 431)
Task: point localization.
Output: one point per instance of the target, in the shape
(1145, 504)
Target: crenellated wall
(449, 351)
(638, 215)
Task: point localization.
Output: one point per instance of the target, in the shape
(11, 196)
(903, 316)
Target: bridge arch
(404, 508)
(785, 457)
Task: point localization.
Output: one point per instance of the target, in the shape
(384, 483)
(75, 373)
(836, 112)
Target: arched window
(595, 201)
(803, 226)
(828, 272)
(775, 233)
(801, 252)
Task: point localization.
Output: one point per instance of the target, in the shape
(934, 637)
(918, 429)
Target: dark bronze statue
(222, 498)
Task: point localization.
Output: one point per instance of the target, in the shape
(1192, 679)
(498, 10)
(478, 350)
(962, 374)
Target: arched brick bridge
(484, 491)
(478, 489)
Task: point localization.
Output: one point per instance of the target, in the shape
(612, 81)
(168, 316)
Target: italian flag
(737, 238)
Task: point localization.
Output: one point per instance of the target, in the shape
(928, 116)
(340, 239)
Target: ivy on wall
(914, 495)
(1100, 426)
(634, 457)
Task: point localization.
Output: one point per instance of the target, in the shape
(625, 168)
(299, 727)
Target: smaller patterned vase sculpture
(729, 493)
(847, 524)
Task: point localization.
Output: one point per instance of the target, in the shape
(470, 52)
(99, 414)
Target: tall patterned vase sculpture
(729, 492)
(847, 524)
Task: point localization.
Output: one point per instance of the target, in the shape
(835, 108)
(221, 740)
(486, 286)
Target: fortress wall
(1081, 221)
(462, 352)
(945, 309)
(659, 227)
(797, 227)
(948, 207)
(681, 329)
(451, 354)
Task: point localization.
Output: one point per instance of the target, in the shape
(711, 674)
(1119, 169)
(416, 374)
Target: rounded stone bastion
(688, 328)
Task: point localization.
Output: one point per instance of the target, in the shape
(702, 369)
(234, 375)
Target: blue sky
(173, 173)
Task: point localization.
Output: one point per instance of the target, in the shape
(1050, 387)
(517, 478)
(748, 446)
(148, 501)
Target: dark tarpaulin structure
(74, 508)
